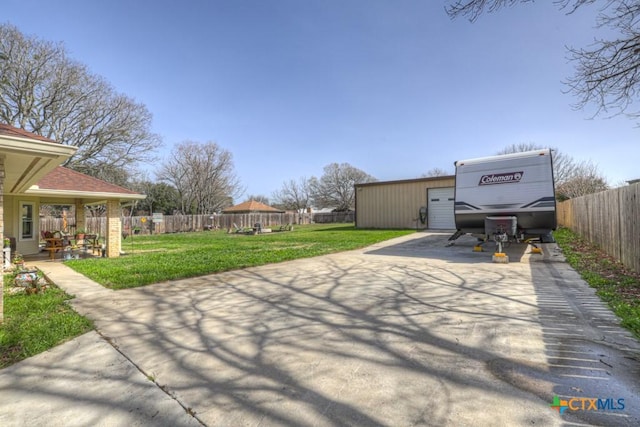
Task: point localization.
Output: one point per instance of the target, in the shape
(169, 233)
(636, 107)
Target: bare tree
(607, 73)
(336, 187)
(563, 165)
(585, 179)
(571, 179)
(294, 195)
(436, 172)
(203, 175)
(45, 92)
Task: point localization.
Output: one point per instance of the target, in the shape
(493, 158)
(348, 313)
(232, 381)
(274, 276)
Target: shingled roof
(251, 206)
(8, 130)
(65, 179)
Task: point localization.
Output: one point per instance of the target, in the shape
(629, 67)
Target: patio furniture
(53, 245)
(287, 227)
(91, 241)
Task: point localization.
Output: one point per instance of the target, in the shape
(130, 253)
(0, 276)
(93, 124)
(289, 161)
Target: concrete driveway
(403, 333)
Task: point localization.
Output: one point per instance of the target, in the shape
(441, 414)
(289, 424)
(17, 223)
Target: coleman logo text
(501, 178)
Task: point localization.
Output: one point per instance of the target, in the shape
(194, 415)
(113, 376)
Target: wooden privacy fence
(49, 223)
(184, 223)
(329, 217)
(610, 219)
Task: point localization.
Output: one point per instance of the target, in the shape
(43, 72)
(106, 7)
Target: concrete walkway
(406, 332)
(86, 381)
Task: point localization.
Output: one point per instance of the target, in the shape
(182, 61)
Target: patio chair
(91, 241)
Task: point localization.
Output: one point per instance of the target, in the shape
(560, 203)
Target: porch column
(2, 235)
(114, 228)
(80, 216)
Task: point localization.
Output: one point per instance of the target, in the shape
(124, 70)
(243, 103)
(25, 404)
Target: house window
(26, 223)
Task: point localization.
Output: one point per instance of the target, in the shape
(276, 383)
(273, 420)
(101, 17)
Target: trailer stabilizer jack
(501, 258)
(454, 237)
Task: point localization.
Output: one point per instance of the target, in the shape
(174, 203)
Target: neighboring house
(251, 206)
(31, 175)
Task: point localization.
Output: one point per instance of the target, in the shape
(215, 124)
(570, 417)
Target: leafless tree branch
(203, 175)
(336, 186)
(607, 73)
(45, 92)
(571, 178)
(294, 195)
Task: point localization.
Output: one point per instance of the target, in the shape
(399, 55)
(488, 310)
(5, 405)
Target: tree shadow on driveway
(383, 336)
(587, 354)
(344, 339)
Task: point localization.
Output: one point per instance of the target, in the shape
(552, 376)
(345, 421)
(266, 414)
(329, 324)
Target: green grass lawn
(616, 285)
(152, 259)
(35, 323)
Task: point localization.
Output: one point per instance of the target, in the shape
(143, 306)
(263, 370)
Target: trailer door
(440, 202)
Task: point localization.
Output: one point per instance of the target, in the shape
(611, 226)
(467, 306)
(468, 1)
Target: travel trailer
(509, 197)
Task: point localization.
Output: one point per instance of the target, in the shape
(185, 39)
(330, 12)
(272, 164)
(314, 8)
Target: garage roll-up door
(440, 208)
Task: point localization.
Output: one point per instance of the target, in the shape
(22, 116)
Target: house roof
(251, 206)
(62, 178)
(32, 167)
(64, 181)
(28, 157)
(7, 130)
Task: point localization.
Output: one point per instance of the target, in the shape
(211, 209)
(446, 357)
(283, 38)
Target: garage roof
(406, 181)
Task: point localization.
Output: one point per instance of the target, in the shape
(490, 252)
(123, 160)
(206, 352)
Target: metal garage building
(413, 203)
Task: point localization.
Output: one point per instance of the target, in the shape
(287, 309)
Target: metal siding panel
(394, 205)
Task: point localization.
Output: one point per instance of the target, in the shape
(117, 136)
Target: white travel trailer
(506, 197)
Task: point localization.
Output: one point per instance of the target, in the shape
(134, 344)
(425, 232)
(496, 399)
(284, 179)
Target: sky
(393, 87)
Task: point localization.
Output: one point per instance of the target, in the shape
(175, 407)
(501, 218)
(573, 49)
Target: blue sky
(392, 87)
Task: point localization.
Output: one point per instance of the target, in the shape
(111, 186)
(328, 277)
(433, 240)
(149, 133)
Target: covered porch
(77, 252)
(31, 175)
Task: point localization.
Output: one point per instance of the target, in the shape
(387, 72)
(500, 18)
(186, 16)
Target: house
(31, 174)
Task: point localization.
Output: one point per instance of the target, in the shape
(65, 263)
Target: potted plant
(80, 233)
(7, 242)
(18, 261)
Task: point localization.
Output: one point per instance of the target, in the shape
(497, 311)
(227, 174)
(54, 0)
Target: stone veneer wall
(80, 216)
(114, 228)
